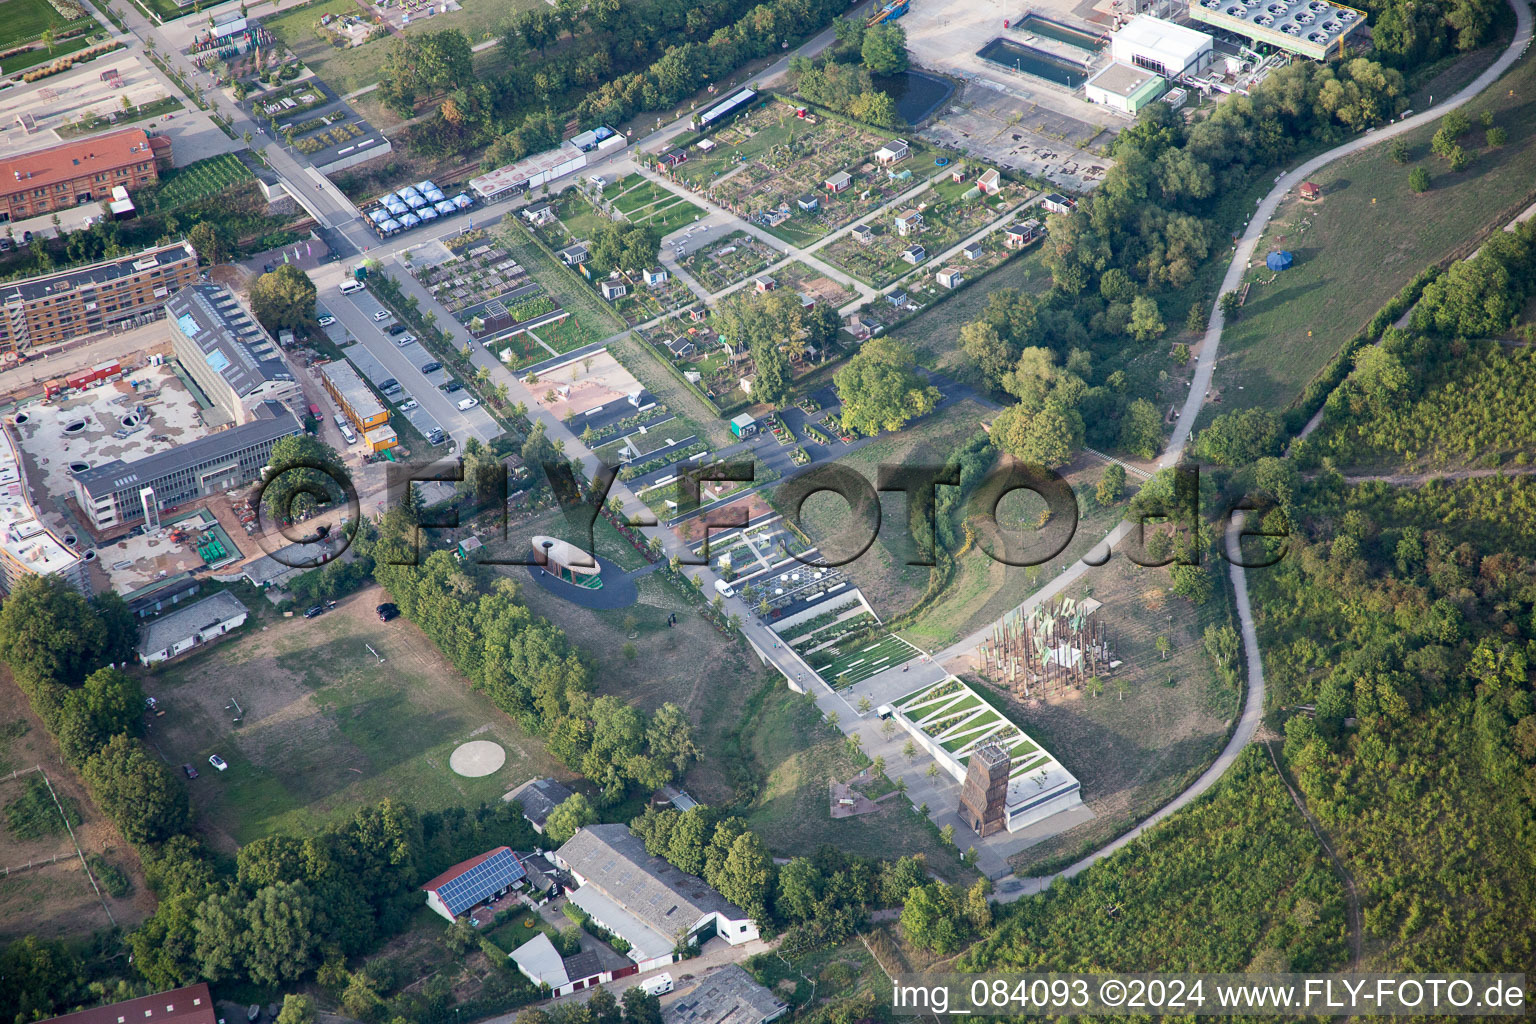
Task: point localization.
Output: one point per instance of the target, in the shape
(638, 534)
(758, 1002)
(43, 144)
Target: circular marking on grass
(477, 758)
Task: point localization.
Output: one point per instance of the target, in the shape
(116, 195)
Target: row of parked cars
(391, 387)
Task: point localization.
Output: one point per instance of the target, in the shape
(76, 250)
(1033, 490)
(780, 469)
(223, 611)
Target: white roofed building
(1162, 47)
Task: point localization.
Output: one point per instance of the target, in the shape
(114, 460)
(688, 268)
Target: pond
(917, 95)
(1030, 61)
(1042, 26)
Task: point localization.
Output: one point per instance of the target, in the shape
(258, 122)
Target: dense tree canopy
(880, 388)
(284, 299)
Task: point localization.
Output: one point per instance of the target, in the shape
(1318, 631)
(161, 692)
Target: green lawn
(22, 21)
(344, 70)
(855, 666)
(327, 727)
(478, 19)
(1365, 239)
(41, 56)
(142, 112)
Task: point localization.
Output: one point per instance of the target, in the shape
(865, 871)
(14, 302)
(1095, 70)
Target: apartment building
(77, 173)
(68, 304)
(226, 352)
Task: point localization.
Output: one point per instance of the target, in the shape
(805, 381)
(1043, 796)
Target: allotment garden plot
(762, 164)
(634, 298)
(644, 202)
(491, 294)
(733, 258)
(912, 235)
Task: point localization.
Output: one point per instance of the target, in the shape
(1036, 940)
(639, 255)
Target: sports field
(328, 727)
(855, 666)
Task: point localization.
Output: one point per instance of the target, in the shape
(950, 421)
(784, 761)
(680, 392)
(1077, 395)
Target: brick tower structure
(984, 795)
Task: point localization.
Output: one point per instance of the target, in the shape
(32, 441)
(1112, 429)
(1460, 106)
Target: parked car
(453, 386)
(466, 404)
(387, 612)
(6, 244)
(432, 367)
(327, 320)
(189, 771)
(267, 268)
(408, 405)
(405, 339)
(218, 762)
(381, 316)
(395, 328)
(390, 386)
(316, 610)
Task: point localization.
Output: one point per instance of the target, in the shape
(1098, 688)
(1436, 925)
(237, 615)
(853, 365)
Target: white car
(408, 404)
(218, 762)
(381, 316)
(405, 339)
(327, 320)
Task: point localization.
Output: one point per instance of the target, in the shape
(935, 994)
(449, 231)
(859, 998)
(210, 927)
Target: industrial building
(68, 304)
(27, 547)
(1162, 47)
(1312, 28)
(718, 113)
(542, 168)
(652, 905)
(1124, 87)
(118, 492)
(192, 626)
(77, 173)
(469, 883)
(226, 352)
(726, 996)
(356, 399)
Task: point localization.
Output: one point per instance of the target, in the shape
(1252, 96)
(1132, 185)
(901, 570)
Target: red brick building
(192, 1005)
(78, 173)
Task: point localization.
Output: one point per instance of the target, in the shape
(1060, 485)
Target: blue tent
(1279, 260)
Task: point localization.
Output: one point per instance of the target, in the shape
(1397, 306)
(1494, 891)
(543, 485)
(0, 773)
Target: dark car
(387, 612)
(453, 386)
(432, 367)
(316, 610)
(266, 268)
(396, 328)
(26, 237)
(389, 384)
(190, 771)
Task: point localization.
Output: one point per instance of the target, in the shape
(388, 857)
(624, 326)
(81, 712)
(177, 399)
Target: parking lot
(378, 357)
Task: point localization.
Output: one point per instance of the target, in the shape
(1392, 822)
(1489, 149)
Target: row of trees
(528, 668)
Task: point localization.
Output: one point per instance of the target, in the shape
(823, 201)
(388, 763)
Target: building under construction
(1047, 649)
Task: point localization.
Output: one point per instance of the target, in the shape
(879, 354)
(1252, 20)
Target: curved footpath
(1012, 887)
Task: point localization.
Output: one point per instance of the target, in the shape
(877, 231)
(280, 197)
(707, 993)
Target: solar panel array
(498, 872)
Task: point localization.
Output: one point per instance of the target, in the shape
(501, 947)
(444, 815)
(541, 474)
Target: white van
(724, 589)
(348, 287)
(658, 985)
(468, 403)
(346, 429)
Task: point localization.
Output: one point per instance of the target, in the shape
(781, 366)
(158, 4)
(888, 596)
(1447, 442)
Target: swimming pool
(1042, 26)
(1030, 61)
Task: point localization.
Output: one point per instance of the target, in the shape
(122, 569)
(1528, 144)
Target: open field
(22, 21)
(642, 201)
(982, 588)
(478, 19)
(55, 900)
(1134, 750)
(343, 69)
(791, 755)
(327, 727)
(1367, 236)
(881, 572)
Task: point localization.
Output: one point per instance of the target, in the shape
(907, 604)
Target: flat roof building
(726, 996)
(77, 173)
(1124, 87)
(1313, 28)
(226, 352)
(190, 1005)
(53, 308)
(117, 492)
(27, 547)
(1162, 47)
(357, 400)
(190, 626)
